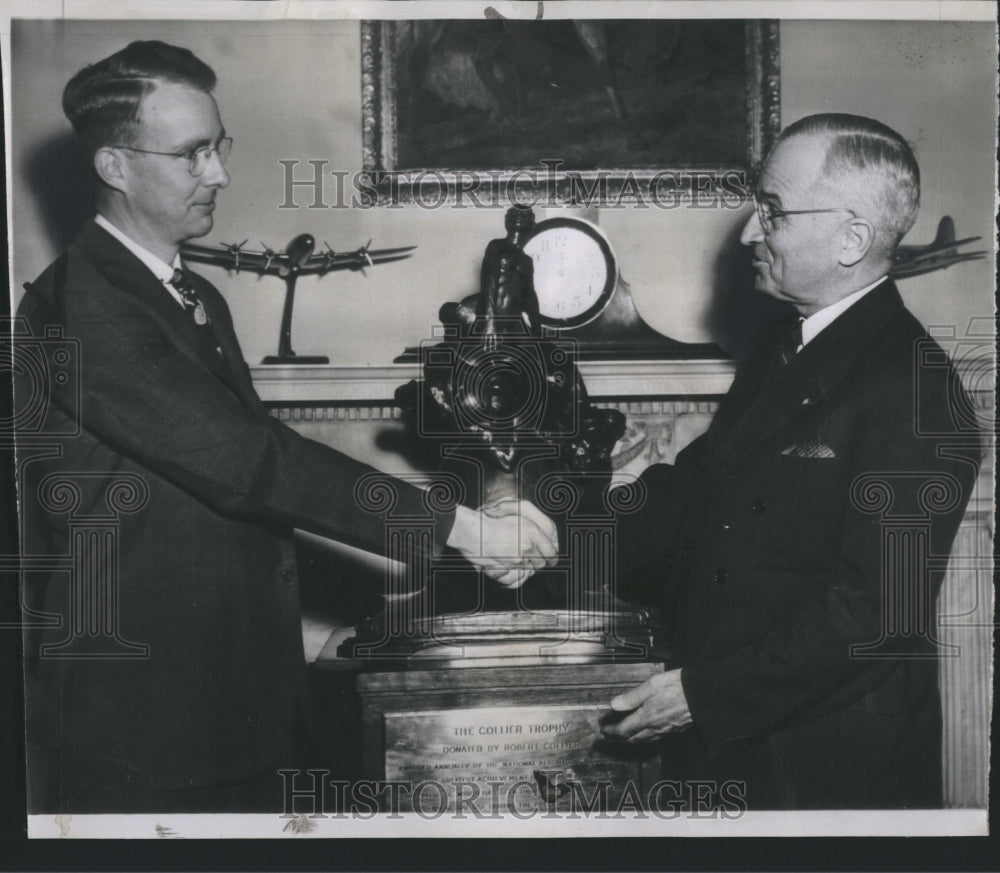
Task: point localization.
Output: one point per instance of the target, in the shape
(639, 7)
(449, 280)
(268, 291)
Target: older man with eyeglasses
(801, 541)
(164, 670)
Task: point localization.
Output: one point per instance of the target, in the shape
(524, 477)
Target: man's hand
(656, 708)
(509, 540)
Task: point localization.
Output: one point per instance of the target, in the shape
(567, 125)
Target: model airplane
(938, 255)
(298, 256)
(297, 259)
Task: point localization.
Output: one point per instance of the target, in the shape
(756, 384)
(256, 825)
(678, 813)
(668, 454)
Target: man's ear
(859, 235)
(109, 168)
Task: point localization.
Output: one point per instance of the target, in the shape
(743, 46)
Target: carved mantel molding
(376, 384)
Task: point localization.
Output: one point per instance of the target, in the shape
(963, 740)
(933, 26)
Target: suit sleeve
(150, 401)
(811, 664)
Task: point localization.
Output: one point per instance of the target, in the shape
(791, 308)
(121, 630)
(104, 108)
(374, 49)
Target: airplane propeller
(269, 255)
(234, 251)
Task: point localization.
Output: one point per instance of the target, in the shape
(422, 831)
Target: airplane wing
(233, 259)
(908, 252)
(932, 262)
(329, 261)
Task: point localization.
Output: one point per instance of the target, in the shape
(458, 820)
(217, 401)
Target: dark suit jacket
(201, 552)
(803, 538)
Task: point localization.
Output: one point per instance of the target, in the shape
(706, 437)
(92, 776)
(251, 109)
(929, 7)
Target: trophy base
(524, 739)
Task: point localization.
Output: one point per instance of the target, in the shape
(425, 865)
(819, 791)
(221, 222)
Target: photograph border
(268, 849)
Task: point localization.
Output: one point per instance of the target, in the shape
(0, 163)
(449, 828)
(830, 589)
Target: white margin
(868, 823)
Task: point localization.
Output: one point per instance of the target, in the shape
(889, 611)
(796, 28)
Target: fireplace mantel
(360, 383)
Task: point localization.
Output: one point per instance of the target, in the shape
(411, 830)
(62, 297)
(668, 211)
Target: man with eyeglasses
(165, 671)
(801, 540)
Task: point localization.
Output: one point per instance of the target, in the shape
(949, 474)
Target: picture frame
(585, 113)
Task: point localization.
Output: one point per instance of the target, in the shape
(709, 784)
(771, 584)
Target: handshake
(508, 540)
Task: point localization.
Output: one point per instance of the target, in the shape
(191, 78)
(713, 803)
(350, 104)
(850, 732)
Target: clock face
(574, 271)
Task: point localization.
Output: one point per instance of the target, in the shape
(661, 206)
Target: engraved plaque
(502, 740)
(511, 759)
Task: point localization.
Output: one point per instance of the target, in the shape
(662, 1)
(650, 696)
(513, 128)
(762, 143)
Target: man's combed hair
(859, 145)
(102, 100)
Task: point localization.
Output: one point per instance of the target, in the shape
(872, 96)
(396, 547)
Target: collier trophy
(505, 410)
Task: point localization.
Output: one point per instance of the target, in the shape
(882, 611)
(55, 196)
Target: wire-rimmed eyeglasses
(767, 214)
(197, 158)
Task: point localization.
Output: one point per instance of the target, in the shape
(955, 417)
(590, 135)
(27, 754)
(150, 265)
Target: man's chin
(762, 286)
(203, 227)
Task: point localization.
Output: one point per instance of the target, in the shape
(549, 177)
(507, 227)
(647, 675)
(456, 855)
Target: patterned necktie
(192, 305)
(788, 346)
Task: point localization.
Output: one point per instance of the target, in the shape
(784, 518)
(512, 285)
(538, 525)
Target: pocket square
(812, 449)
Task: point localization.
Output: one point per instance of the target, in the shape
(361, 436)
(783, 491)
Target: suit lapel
(816, 371)
(746, 384)
(232, 354)
(128, 274)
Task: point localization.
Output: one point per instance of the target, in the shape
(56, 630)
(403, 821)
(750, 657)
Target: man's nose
(752, 231)
(215, 174)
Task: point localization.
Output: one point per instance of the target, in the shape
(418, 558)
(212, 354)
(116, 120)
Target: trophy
(507, 688)
(503, 403)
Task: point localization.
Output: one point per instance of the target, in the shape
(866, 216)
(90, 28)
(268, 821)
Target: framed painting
(565, 111)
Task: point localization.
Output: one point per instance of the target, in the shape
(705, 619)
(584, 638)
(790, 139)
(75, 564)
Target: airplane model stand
(299, 250)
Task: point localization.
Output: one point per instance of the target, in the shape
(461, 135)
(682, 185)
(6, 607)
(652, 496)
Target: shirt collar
(818, 321)
(161, 269)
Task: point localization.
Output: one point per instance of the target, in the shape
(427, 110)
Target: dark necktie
(788, 346)
(193, 306)
(784, 352)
